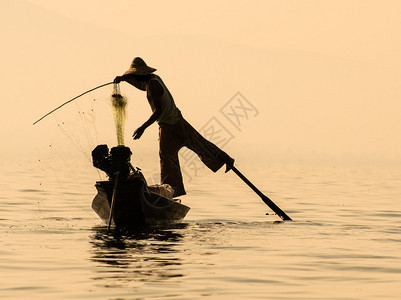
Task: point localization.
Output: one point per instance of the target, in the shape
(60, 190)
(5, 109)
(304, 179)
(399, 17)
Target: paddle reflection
(139, 255)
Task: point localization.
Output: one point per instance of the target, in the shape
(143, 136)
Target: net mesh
(119, 104)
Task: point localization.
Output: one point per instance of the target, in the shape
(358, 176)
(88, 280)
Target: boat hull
(136, 206)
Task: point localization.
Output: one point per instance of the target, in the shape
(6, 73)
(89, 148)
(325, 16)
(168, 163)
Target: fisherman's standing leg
(170, 172)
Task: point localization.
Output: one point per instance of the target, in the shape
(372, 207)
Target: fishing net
(119, 104)
(93, 119)
(63, 155)
(63, 162)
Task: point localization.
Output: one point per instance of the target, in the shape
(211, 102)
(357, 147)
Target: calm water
(345, 242)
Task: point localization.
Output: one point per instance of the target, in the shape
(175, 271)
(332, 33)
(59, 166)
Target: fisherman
(174, 131)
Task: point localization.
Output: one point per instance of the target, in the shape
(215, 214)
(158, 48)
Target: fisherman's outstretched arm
(156, 114)
(130, 78)
(155, 92)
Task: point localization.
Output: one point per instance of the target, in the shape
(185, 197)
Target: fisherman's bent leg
(211, 155)
(170, 171)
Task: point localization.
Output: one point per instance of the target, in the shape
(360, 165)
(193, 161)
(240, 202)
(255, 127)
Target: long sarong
(172, 137)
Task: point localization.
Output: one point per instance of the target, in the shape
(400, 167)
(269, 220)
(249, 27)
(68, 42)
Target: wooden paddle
(269, 203)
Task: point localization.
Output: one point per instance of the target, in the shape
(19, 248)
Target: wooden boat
(135, 203)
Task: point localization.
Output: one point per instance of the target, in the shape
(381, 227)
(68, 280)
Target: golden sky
(323, 75)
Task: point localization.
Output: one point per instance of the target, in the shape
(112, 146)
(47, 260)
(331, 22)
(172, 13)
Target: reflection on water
(145, 254)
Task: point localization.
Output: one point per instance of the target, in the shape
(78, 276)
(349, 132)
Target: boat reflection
(146, 254)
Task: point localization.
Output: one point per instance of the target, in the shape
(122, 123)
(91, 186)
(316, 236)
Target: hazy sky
(323, 75)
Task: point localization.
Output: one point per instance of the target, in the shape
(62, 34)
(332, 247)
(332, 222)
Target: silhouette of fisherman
(174, 131)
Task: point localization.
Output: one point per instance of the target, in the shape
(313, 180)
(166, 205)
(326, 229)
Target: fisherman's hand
(138, 133)
(118, 79)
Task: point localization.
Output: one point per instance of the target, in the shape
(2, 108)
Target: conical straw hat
(139, 67)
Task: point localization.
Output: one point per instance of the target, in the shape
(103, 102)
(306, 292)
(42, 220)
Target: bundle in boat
(135, 203)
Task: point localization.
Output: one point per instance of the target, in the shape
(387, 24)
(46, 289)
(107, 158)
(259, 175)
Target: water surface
(345, 241)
